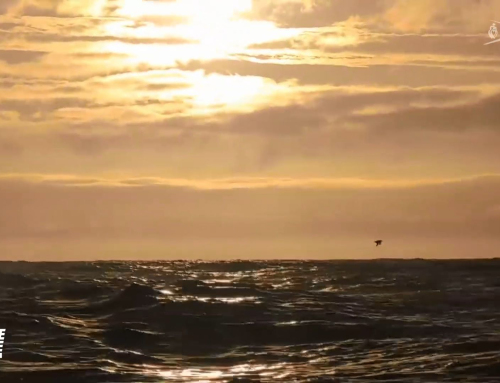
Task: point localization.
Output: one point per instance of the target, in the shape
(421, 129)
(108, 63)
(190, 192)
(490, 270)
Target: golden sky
(239, 128)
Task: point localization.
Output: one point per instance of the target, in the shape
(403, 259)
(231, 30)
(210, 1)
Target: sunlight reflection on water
(223, 322)
(238, 371)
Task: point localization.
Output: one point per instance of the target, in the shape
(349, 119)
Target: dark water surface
(339, 321)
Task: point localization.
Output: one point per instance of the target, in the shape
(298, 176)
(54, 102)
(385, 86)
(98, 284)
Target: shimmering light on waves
(281, 285)
(291, 323)
(409, 346)
(236, 300)
(192, 373)
(217, 299)
(213, 281)
(330, 289)
(242, 370)
(248, 368)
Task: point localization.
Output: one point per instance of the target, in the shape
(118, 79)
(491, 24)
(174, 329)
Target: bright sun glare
(196, 10)
(214, 29)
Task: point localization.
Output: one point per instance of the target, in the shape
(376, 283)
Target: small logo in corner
(493, 33)
(2, 338)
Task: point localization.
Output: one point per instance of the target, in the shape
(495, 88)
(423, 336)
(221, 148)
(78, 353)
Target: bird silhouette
(378, 242)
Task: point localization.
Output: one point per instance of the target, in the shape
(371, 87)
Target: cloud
(441, 15)
(38, 108)
(365, 131)
(234, 183)
(337, 105)
(409, 74)
(104, 38)
(56, 8)
(5, 5)
(18, 56)
(477, 116)
(314, 13)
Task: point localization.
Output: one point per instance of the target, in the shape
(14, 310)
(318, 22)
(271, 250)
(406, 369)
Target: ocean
(251, 321)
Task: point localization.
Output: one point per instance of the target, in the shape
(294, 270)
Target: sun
(215, 28)
(207, 30)
(197, 11)
(229, 91)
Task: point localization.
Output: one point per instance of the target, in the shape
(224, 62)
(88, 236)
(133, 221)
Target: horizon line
(263, 260)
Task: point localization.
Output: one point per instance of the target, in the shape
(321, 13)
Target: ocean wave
(391, 321)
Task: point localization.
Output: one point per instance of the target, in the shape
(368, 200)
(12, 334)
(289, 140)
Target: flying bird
(378, 242)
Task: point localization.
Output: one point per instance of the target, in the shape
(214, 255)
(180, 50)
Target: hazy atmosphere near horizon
(202, 129)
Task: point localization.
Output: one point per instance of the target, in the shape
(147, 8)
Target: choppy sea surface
(279, 321)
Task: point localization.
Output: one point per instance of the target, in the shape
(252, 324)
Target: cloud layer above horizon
(280, 105)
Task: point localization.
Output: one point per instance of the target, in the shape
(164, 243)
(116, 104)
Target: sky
(222, 129)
